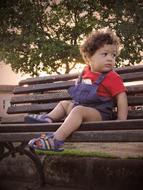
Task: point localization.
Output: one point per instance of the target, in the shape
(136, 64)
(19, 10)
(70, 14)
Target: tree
(39, 35)
(126, 17)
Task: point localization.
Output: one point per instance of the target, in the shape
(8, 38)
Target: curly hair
(98, 39)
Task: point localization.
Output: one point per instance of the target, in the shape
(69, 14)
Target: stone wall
(71, 171)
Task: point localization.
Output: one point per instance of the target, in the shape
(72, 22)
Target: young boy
(93, 95)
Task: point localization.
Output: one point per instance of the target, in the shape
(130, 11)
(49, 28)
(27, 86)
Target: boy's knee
(67, 105)
(78, 109)
(64, 103)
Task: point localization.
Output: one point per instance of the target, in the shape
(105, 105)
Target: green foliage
(77, 153)
(39, 35)
(126, 17)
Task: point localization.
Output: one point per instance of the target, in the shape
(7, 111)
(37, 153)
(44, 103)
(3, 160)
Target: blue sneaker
(38, 118)
(46, 143)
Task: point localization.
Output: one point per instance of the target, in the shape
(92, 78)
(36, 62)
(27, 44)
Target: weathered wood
(64, 85)
(89, 136)
(43, 87)
(41, 98)
(58, 96)
(129, 69)
(108, 136)
(13, 119)
(54, 78)
(86, 126)
(133, 114)
(129, 77)
(46, 107)
(31, 108)
(135, 100)
(49, 79)
(135, 89)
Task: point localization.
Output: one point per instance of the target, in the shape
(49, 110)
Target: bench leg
(10, 148)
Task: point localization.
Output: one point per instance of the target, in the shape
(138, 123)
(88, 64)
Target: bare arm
(122, 106)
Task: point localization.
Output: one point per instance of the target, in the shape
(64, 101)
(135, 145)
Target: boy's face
(103, 60)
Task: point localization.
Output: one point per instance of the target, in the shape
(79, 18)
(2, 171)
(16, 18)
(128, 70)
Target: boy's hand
(122, 106)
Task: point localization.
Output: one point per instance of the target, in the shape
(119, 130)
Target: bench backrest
(41, 94)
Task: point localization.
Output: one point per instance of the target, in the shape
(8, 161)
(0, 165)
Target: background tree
(39, 35)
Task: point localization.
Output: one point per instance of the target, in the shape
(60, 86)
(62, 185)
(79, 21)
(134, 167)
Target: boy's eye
(114, 55)
(104, 54)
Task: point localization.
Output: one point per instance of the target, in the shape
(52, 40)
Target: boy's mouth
(108, 65)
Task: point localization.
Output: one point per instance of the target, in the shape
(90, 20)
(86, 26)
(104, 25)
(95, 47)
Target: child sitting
(92, 96)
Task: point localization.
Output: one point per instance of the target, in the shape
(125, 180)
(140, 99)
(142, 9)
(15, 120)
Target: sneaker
(48, 143)
(35, 118)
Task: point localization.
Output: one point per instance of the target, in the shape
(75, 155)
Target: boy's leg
(47, 141)
(73, 121)
(58, 113)
(61, 110)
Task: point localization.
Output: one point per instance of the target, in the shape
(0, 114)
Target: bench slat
(135, 89)
(108, 136)
(135, 100)
(31, 108)
(129, 69)
(132, 101)
(58, 96)
(42, 108)
(86, 126)
(62, 85)
(54, 78)
(88, 136)
(49, 79)
(129, 77)
(43, 87)
(39, 98)
(133, 114)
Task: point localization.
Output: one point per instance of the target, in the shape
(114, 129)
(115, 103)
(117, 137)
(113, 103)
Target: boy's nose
(110, 58)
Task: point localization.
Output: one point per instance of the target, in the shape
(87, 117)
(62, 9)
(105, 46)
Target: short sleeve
(115, 84)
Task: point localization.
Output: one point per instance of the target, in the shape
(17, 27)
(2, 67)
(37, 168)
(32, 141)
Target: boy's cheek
(97, 68)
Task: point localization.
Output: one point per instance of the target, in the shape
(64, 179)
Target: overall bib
(86, 95)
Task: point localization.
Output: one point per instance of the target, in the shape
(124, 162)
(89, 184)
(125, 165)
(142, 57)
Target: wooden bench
(41, 94)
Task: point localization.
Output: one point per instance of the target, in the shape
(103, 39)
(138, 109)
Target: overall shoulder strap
(80, 77)
(97, 82)
(100, 78)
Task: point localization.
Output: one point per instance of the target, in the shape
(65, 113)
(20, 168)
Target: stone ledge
(76, 172)
(94, 173)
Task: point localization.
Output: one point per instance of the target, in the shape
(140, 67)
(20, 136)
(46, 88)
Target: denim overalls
(86, 95)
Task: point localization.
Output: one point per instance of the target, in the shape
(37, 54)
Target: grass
(77, 153)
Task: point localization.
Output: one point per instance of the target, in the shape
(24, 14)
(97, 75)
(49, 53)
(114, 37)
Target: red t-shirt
(110, 86)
